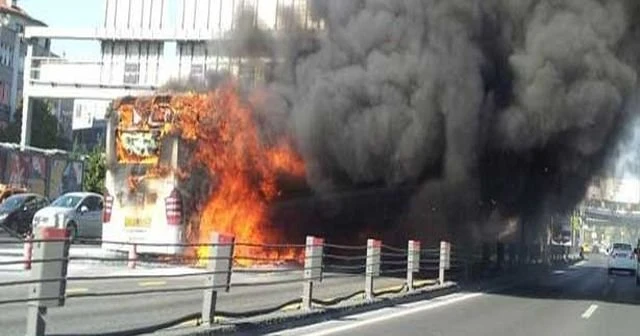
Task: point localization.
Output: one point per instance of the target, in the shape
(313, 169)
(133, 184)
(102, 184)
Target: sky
(69, 14)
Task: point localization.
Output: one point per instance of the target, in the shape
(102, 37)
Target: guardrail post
(312, 269)
(133, 255)
(28, 251)
(50, 293)
(219, 274)
(373, 266)
(413, 262)
(445, 260)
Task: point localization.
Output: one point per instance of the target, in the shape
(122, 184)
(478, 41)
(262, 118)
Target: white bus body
(150, 214)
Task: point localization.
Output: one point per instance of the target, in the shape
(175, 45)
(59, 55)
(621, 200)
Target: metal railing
(50, 258)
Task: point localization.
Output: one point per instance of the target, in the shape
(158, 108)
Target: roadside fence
(415, 266)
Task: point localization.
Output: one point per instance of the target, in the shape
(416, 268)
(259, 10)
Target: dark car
(17, 211)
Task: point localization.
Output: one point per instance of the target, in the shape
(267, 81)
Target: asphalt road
(106, 314)
(580, 300)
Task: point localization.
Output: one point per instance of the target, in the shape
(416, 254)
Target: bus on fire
(144, 199)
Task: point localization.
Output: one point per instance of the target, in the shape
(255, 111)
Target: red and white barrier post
(312, 268)
(133, 255)
(52, 245)
(445, 260)
(219, 277)
(28, 251)
(413, 262)
(373, 266)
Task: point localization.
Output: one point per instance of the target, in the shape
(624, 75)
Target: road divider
(415, 266)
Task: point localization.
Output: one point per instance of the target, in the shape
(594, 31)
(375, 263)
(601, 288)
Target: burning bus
(179, 167)
(143, 203)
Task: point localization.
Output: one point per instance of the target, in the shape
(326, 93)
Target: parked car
(17, 211)
(622, 258)
(79, 212)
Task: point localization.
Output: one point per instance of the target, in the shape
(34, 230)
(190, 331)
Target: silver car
(79, 212)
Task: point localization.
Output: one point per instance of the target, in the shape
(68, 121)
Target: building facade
(144, 44)
(12, 55)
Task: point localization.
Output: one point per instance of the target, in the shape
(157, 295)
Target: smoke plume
(497, 108)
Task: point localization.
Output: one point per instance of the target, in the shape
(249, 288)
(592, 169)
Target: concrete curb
(286, 320)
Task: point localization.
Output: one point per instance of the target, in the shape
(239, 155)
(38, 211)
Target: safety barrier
(322, 260)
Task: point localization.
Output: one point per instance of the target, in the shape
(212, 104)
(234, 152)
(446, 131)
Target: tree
(94, 170)
(44, 128)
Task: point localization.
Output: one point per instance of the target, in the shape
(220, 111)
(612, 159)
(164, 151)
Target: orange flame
(228, 145)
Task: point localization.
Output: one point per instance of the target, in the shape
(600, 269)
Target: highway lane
(93, 315)
(581, 300)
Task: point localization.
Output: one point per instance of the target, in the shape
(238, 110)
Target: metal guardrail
(50, 259)
(48, 255)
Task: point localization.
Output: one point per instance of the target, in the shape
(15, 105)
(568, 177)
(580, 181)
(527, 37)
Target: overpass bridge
(605, 216)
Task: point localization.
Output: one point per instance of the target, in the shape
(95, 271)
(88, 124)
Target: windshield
(67, 201)
(622, 247)
(11, 203)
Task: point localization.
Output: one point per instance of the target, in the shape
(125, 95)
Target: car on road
(17, 211)
(79, 212)
(622, 258)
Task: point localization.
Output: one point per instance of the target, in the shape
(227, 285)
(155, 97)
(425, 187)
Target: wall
(65, 71)
(134, 15)
(43, 174)
(87, 111)
(154, 63)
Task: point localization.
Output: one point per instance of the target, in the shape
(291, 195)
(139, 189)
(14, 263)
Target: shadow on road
(585, 281)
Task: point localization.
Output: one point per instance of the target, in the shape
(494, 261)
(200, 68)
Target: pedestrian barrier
(322, 261)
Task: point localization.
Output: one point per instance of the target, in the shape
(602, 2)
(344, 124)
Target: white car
(79, 212)
(622, 258)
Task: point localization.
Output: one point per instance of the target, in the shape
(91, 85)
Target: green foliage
(44, 128)
(94, 170)
(576, 221)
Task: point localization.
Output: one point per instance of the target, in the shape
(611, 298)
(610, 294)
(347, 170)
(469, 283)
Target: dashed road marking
(76, 290)
(152, 283)
(587, 314)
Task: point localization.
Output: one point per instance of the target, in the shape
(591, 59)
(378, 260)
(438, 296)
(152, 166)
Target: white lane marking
(587, 314)
(442, 301)
(559, 272)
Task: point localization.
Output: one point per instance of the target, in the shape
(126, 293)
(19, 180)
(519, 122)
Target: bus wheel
(72, 229)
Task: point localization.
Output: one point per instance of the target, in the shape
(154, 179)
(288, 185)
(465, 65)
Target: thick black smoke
(497, 108)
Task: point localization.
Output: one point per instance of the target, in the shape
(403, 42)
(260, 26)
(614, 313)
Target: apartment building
(13, 21)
